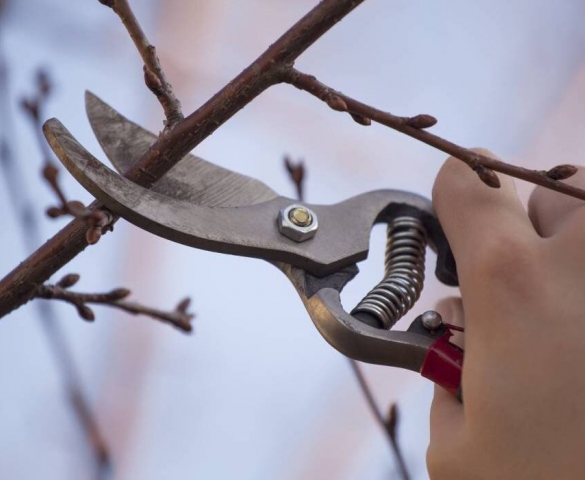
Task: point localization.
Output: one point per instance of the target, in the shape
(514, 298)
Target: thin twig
(20, 285)
(56, 338)
(179, 317)
(97, 221)
(387, 427)
(154, 75)
(415, 127)
(297, 175)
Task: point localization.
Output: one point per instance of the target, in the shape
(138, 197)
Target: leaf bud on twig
(562, 172)
(153, 82)
(68, 280)
(93, 235)
(365, 121)
(184, 305)
(50, 173)
(85, 312)
(54, 212)
(392, 420)
(337, 103)
(422, 121)
(118, 294)
(31, 107)
(487, 176)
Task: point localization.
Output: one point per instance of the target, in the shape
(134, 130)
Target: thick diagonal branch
(20, 285)
(415, 127)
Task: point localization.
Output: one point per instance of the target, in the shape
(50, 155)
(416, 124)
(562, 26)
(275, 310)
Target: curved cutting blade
(342, 239)
(192, 179)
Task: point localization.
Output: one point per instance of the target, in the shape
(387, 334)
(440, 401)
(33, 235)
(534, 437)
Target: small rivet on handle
(431, 320)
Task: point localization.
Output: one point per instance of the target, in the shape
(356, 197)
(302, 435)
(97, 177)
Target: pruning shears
(202, 205)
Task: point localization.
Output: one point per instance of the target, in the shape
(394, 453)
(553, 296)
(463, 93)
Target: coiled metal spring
(404, 273)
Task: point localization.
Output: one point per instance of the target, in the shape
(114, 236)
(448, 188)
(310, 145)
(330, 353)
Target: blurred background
(255, 392)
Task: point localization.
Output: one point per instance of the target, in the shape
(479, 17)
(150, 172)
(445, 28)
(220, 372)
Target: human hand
(522, 281)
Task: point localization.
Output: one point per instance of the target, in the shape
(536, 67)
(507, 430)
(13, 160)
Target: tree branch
(415, 127)
(154, 75)
(54, 335)
(96, 221)
(179, 317)
(20, 285)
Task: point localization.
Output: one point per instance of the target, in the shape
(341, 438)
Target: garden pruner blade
(208, 207)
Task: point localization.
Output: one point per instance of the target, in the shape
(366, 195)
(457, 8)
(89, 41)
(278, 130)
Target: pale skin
(522, 280)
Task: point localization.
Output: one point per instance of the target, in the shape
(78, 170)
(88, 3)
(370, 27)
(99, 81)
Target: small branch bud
(392, 420)
(54, 212)
(183, 305)
(118, 294)
(31, 107)
(107, 3)
(296, 172)
(487, 176)
(68, 280)
(365, 121)
(85, 312)
(153, 82)
(337, 103)
(562, 172)
(50, 173)
(422, 121)
(93, 235)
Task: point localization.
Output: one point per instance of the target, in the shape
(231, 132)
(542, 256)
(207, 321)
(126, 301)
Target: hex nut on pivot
(297, 222)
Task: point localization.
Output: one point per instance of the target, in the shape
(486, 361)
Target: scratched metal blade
(247, 230)
(192, 179)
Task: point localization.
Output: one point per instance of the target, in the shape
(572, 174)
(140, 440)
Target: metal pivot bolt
(297, 222)
(431, 320)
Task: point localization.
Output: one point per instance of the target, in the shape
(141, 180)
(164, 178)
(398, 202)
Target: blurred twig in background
(56, 339)
(97, 221)
(297, 174)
